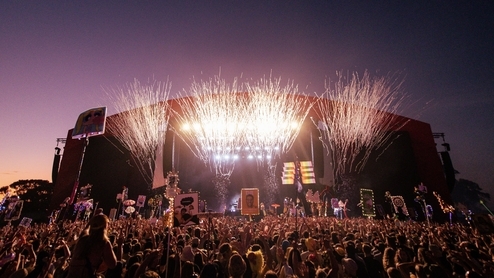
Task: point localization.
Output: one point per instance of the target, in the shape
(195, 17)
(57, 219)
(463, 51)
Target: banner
(14, 210)
(186, 208)
(141, 200)
(249, 201)
(367, 202)
(399, 205)
(26, 222)
(90, 123)
(112, 214)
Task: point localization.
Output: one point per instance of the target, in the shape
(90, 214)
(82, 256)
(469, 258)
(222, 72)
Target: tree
(470, 194)
(36, 195)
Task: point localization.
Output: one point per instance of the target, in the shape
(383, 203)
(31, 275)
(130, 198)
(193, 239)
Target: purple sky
(57, 57)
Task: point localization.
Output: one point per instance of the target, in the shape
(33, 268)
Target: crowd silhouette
(226, 246)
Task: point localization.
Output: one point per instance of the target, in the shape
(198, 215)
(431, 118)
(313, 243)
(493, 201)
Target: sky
(60, 58)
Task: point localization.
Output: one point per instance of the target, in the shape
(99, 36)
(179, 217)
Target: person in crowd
(93, 252)
(226, 246)
(389, 258)
(375, 268)
(236, 266)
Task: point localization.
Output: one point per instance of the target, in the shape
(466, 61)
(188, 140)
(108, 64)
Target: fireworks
(221, 122)
(359, 118)
(275, 115)
(272, 189)
(210, 122)
(142, 122)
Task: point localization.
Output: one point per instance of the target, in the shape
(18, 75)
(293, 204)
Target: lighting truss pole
(76, 183)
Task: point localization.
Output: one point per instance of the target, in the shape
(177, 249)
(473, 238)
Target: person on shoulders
(93, 252)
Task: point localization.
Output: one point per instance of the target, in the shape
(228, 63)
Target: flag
(158, 175)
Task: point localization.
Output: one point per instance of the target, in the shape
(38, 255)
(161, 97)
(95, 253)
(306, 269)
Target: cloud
(9, 173)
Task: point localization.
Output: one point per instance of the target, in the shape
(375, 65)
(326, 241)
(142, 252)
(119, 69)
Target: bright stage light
(186, 127)
(262, 116)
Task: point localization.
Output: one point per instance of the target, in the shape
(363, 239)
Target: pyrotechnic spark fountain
(142, 122)
(272, 189)
(220, 122)
(211, 121)
(275, 115)
(359, 118)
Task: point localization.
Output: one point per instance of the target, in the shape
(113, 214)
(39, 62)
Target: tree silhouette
(470, 194)
(36, 195)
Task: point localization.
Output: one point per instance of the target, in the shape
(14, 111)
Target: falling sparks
(359, 118)
(221, 184)
(222, 122)
(275, 115)
(142, 122)
(272, 190)
(210, 122)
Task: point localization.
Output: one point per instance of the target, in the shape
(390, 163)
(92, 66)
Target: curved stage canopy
(411, 158)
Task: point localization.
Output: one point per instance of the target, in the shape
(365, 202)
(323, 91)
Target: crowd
(274, 246)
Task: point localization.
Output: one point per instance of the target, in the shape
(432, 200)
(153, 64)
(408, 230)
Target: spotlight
(186, 127)
(196, 126)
